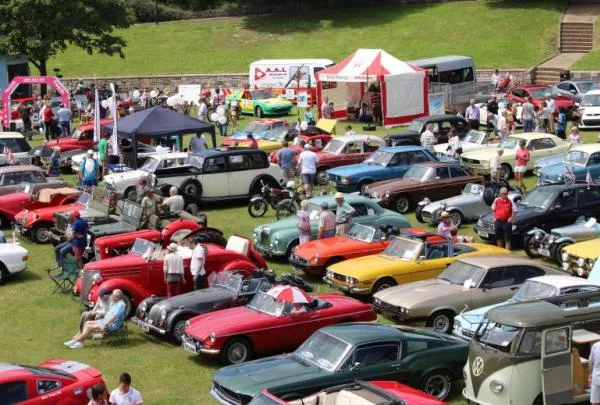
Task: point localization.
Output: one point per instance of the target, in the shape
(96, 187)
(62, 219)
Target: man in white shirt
(495, 164)
(203, 111)
(495, 79)
(197, 266)
(325, 108)
(428, 139)
(173, 269)
(551, 108)
(174, 202)
(125, 394)
(472, 115)
(307, 166)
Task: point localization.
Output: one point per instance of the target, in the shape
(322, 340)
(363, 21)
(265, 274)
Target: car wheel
(192, 208)
(441, 321)
(41, 233)
(291, 247)
(402, 204)
(558, 252)
(322, 177)
(258, 112)
(418, 214)
(362, 185)
(237, 350)
(505, 171)
(177, 330)
(191, 190)
(456, 217)
(130, 194)
(383, 284)
(3, 273)
(438, 384)
(3, 222)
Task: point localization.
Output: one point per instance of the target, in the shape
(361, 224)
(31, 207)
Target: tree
(41, 28)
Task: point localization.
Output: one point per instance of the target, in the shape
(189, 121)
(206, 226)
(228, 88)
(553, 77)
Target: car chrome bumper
(146, 327)
(303, 265)
(268, 251)
(223, 399)
(347, 289)
(197, 349)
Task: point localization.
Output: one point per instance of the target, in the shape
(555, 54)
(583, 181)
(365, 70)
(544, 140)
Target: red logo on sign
(258, 74)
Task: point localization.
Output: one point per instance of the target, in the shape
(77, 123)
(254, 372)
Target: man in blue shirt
(79, 228)
(64, 117)
(88, 170)
(111, 321)
(285, 158)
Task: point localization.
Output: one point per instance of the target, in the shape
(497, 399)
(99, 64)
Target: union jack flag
(569, 173)
(8, 155)
(588, 178)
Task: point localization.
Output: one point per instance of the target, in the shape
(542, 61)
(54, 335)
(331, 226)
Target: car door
(556, 364)
(352, 153)
(15, 392)
(247, 103)
(238, 174)
(540, 148)
(441, 185)
(518, 95)
(433, 259)
(497, 285)
(563, 211)
(459, 177)
(380, 360)
(362, 214)
(398, 165)
(593, 166)
(215, 178)
(588, 200)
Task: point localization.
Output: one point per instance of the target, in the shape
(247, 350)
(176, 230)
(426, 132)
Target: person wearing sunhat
(445, 225)
(326, 222)
(343, 215)
(173, 270)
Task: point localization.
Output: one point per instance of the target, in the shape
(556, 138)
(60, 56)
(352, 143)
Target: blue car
(260, 129)
(580, 159)
(384, 164)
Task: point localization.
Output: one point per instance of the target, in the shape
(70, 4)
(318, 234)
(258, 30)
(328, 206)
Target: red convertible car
(81, 138)
(25, 199)
(268, 325)
(57, 381)
(538, 93)
(315, 256)
(139, 274)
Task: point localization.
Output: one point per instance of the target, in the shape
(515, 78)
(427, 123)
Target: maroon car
(538, 93)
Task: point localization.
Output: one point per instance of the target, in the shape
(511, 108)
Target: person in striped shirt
(326, 222)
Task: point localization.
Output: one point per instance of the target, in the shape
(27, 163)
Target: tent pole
(135, 166)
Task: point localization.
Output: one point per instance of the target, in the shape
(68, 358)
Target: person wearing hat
(98, 311)
(88, 170)
(326, 222)
(445, 224)
(79, 227)
(503, 211)
(307, 166)
(472, 115)
(343, 215)
(54, 163)
(173, 270)
(63, 249)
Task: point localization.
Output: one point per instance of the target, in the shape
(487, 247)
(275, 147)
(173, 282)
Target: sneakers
(76, 345)
(69, 343)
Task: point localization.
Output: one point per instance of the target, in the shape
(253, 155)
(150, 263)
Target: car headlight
(514, 227)
(580, 272)
(315, 258)
(212, 337)
(590, 263)
(351, 280)
(559, 177)
(387, 195)
(143, 306)
(564, 256)
(163, 314)
(580, 262)
(538, 236)
(565, 266)
(97, 278)
(345, 180)
(374, 194)
(496, 386)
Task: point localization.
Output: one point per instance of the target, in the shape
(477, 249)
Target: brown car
(434, 180)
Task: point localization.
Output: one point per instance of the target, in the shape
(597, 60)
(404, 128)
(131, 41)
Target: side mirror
(487, 286)
(355, 365)
(556, 207)
(421, 259)
(573, 91)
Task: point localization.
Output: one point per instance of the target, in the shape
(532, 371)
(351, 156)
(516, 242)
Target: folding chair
(64, 280)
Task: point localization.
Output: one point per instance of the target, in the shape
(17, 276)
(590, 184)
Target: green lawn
(496, 33)
(34, 324)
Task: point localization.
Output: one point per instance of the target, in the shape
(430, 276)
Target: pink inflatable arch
(18, 80)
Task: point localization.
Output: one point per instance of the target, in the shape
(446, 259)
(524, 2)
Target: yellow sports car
(414, 255)
(579, 258)
(261, 103)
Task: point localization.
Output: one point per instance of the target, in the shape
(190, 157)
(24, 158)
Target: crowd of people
(124, 394)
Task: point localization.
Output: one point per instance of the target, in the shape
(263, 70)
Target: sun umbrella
(289, 294)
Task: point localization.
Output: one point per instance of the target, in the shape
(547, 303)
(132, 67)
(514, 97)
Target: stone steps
(576, 37)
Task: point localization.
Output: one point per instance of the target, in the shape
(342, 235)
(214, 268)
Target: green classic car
(344, 353)
(279, 238)
(261, 103)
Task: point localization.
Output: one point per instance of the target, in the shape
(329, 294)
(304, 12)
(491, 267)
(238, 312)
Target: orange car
(315, 256)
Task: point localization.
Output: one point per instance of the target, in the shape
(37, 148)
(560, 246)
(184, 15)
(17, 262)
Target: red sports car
(267, 325)
(139, 274)
(57, 381)
(81, 138)
(363, 392)
(538, 93)
(16, 104)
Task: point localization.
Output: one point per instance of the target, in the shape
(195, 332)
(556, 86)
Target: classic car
(383, 164)
(470, 282)
(415, 255)
(317, 142)
(546, 207)
(12, 176)
(259, 129)
(363, 392)
(434, 180)
(539, 145)
(341, 354)
(474, 201)
(56, 381)
(268, 325)
(540, 243)
(580, 160)
(28, 199)
(143, 153)
(590, 110)
(472, 140)
(442, 124)
(576, 89)
(16, 104)
(18, 146)
(139, 274)
(538, 93)
(279, 238)
(579, 258)
(226, 289)
(361, 240)
(82, 138)
(261, 103)
(13, 259)
(345, 150)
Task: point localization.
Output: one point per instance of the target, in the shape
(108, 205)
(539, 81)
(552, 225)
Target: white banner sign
(190, 92)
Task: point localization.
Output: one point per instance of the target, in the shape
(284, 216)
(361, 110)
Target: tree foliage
(41, 28)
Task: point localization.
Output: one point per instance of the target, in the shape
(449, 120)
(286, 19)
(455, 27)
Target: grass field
(496, 33)
(34, 324)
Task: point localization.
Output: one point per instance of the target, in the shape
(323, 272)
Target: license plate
(544, 252)
(483, 234)
(189, 347)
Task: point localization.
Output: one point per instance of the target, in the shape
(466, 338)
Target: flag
(113, 112)
(588, 178)
(8, 155)
(97, 128)
(569, 174)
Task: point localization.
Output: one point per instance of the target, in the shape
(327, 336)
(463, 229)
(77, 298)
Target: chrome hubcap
(237, 353)
(441, 323)
(402, 205)
(437, 386)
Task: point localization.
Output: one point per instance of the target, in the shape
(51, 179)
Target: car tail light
(24, 258)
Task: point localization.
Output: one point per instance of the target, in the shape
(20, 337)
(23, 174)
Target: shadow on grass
(23, 277)
(546, 5)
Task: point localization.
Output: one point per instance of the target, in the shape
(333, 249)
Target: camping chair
(119, 335)
(65, 279)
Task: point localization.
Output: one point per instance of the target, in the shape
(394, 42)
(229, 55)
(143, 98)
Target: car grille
(86, 283)
(591, 123)
(227, 394)
(264, 237)
(488, 226)
(387, 308)
(470, 161)
(60, 223)
(299, 260)
(427, 216)
(338, 277)
(334, 178)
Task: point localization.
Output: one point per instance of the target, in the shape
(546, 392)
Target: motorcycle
(269, 196)
(289, 206)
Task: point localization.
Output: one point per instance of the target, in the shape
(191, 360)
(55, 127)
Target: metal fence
(459, 94)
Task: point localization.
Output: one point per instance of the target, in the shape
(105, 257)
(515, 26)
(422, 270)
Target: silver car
(474, 201)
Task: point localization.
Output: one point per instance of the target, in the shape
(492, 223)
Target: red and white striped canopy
(289, 294)
(366, 64)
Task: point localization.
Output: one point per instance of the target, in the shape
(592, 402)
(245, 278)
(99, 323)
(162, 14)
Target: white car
(143, 152)
(18, 146)
(590, 110)
(472, 140)
(13, 259)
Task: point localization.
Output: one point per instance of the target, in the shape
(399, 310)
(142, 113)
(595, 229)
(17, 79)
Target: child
(574, 137)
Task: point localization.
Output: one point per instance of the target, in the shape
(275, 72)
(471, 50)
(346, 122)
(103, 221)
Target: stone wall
(521, 76)
(580, 75)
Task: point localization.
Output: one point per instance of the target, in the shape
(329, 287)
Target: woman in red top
(48, 117)
(522, 159)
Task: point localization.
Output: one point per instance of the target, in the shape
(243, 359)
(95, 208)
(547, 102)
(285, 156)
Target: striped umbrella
(289, 294)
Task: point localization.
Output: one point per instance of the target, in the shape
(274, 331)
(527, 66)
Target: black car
(442, 124)
(226, 289)
(546, 207)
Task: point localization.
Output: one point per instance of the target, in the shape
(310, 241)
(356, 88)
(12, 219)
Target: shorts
(308, 178)
(78, 252)
(89, 183)
(289, 173)
(503, 230)
(520, 169)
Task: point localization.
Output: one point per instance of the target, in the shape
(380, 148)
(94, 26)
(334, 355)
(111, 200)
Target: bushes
(145, 11)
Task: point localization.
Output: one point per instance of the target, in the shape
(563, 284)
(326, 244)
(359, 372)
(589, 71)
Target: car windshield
(416, 125)
(465, 274)
(76, 134)
(334, 146)
(323, 350)
(380, 158)
(14, 105)
(16, 145)
(584, 87)
(260, 95)
(538, 199)
(257, 127)
(25, 188)
(263, 399)
(150, 165)
(497, 336)
(404, 249)
(533, 290)
(475, 189)
(84, 198)
(577, 157)
(277, 134)
(511, 142)
(540, 93)
(591, 100)
(267, 304)
(416, 172)
(475, 137)
(142, 247)
(225, 279)
(361, 233)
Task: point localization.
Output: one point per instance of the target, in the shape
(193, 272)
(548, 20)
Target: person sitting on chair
(174, 202)
(101, 308)
(63, 249)
(111, 321)
(148, 205)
